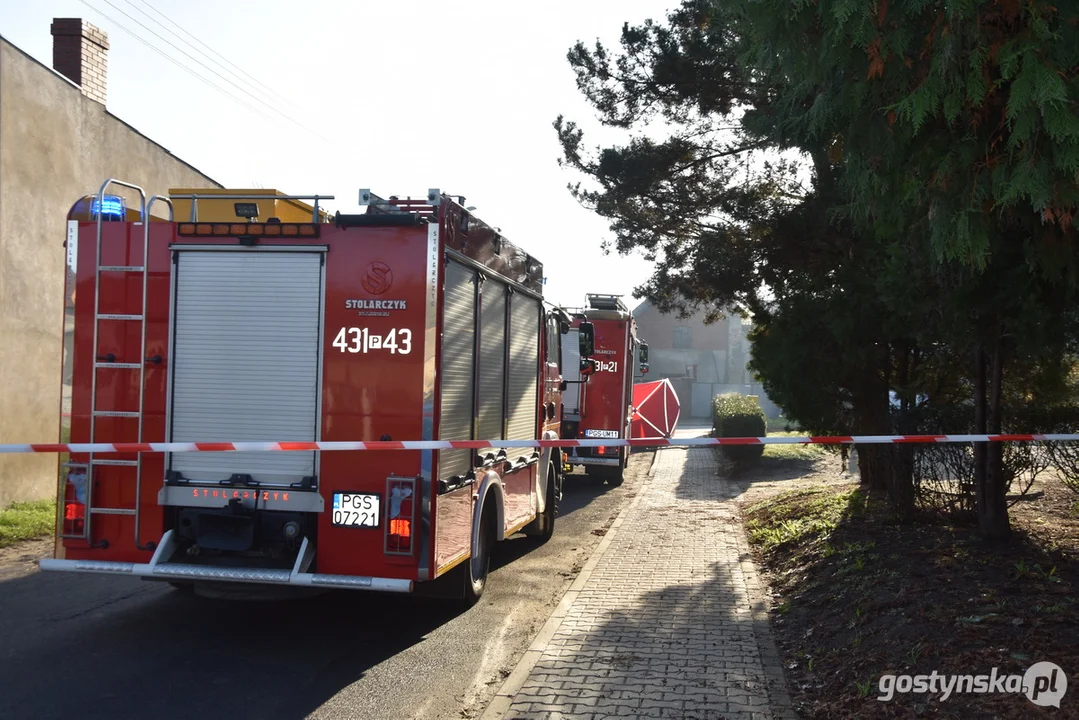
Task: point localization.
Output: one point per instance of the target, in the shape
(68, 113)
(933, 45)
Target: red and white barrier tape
(174, 447)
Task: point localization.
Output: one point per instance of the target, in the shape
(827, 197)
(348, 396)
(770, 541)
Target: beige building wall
(700, 360)
(56, 145)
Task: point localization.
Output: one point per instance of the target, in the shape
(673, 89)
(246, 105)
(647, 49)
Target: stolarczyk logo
(378, 278)
(1044, 684)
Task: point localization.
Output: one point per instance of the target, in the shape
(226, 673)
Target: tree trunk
(993, 506)
(865, 473)
(875, 462)
(902, 476)
(980, 469)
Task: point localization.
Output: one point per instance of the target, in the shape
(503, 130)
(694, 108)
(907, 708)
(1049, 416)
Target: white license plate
(356, 509)
(601, 433)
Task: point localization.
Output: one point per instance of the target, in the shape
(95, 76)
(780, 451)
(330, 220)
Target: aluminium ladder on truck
(83, 473)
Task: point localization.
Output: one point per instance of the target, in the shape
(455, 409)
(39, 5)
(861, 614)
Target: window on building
(683, 339)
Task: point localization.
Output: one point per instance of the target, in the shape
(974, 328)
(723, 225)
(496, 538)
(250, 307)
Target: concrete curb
(502, 701)
(775, 679)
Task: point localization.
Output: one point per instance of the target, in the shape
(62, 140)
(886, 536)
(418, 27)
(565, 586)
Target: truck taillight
(74, 518)
(74, 501)
(400, 516)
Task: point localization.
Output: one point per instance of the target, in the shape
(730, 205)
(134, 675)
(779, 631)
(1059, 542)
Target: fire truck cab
(598, 361)
(413, 320)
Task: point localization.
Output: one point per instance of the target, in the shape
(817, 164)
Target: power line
(178, 63)
(240, 87)
(222, 57)
(226, 79)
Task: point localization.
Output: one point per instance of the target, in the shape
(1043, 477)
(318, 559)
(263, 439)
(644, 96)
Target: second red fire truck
(413, 320)
(598, 362)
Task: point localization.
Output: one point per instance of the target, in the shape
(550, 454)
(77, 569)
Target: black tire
(550, 511)
(616, 476)
(475, 570)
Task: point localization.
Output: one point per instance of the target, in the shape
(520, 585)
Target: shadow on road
(579, 490)
(130, 648)
(731, 666)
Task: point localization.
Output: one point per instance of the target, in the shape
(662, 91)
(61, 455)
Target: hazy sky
(406, 94)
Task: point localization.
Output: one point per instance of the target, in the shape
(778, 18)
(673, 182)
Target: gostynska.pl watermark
(1043, 683)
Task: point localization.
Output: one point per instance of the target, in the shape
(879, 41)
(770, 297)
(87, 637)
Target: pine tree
(935, 239)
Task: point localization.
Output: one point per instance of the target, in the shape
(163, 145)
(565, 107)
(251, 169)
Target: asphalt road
(101, 647)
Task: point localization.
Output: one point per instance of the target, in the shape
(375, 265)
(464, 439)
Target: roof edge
(106, 110)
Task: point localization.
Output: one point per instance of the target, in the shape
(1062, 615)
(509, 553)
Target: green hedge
(737, 415)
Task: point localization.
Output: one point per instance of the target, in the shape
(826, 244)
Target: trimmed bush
(736, 415)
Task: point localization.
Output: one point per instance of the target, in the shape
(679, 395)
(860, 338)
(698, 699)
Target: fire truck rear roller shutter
(246, 360)
(458, 362)
(492, 355)
(522, 408)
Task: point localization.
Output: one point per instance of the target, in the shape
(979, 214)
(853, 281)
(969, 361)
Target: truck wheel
(616, 476)
(550, 510)
(476, 569)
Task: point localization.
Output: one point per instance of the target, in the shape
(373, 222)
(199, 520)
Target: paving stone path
(670, 622)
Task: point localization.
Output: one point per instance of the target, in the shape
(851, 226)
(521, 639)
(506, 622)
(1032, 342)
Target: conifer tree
(936, 230)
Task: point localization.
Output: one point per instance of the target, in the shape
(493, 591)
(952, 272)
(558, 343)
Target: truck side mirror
(644, 355)
(644, 368)
(587, 367)
(586, 339)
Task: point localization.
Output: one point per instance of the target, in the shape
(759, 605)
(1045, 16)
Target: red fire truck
(413, 320)
(598, 361)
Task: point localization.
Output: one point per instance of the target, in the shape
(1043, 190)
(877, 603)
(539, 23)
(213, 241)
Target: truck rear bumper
(577, 460)
(157, 569)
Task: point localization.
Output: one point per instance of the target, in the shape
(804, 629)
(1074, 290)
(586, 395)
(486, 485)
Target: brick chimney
(80, 53)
